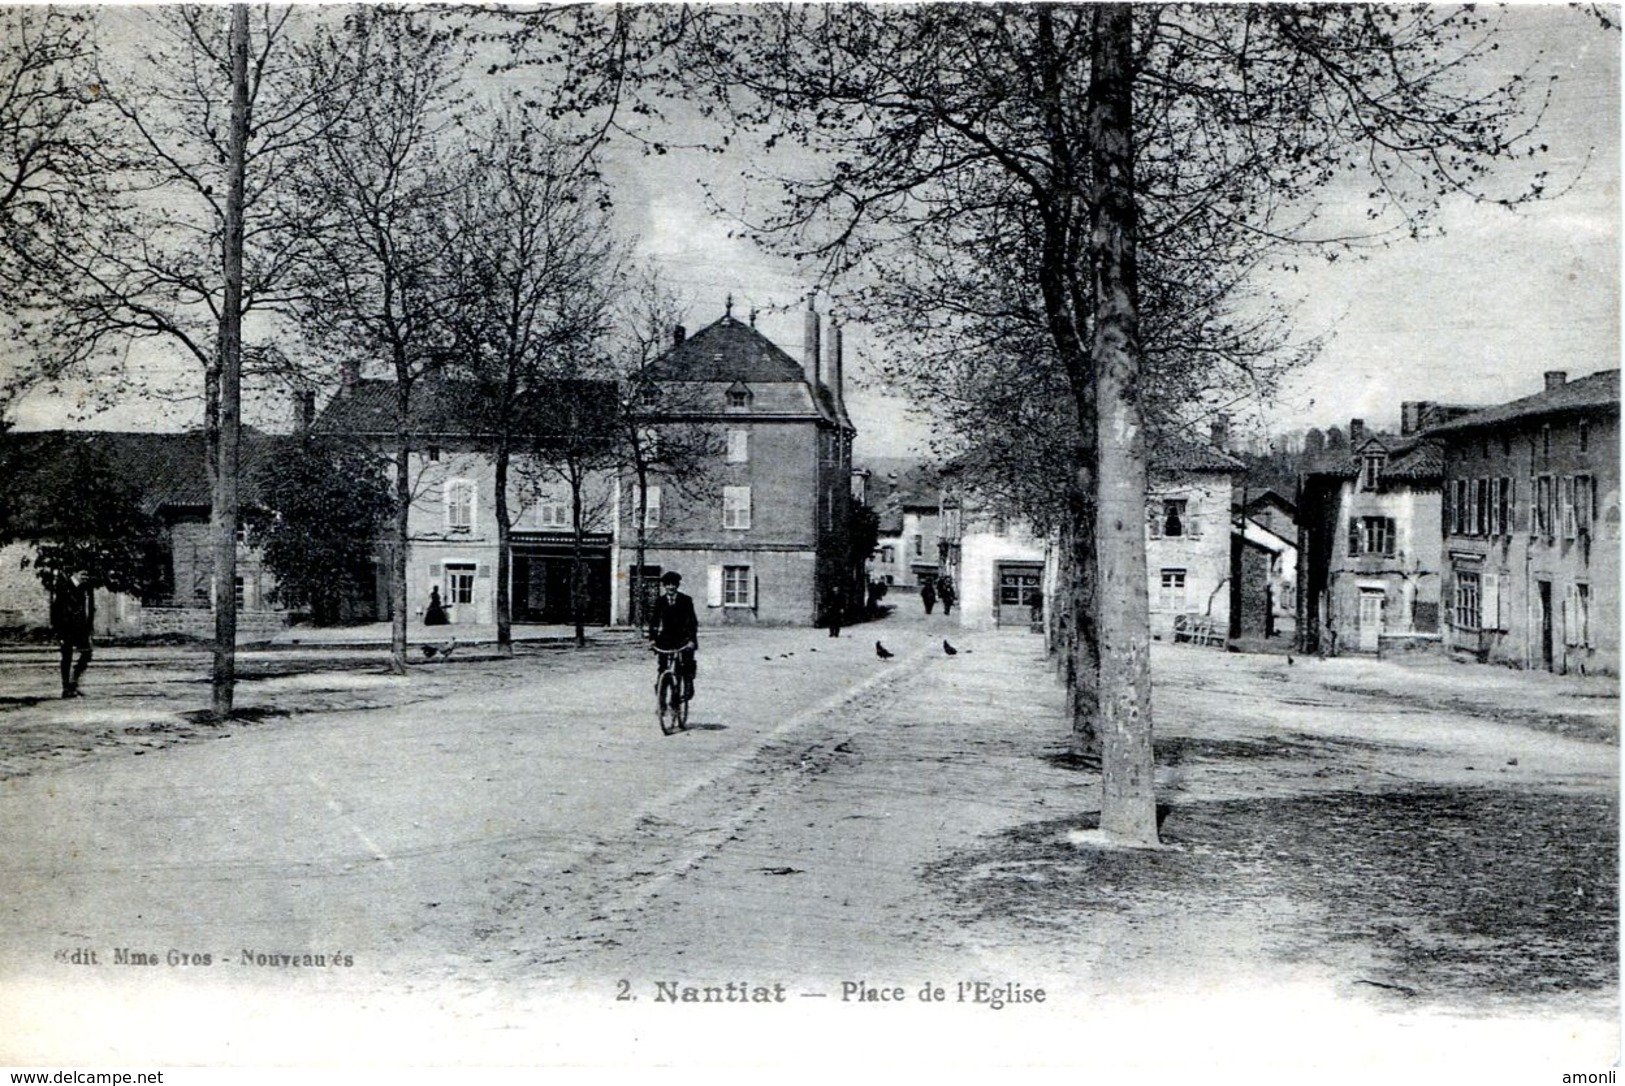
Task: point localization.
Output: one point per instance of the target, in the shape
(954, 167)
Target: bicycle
(669, 701)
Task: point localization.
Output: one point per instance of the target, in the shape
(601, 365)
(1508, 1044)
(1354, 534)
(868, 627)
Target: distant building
(452, 526)
(1368, 542)
(766, 540)
(169, 473)
(1188, 530)
(1531, 528)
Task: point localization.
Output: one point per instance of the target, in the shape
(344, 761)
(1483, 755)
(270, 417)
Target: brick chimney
(307, 411)
(678, 334)
(1356, 433)
(1556, 378)
(810, 342)
(349, 376)
(1219, 432)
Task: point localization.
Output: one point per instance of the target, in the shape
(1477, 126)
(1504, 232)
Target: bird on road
(949, 649)
(442, 651)
(883, 652)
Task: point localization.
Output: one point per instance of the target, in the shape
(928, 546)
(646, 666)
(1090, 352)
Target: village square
(501, 643)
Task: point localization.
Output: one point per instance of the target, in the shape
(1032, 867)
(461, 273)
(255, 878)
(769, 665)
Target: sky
(1474, 316)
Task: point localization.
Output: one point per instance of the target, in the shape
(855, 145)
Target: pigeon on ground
(442, 651)
(1289, 659)
(949, 649)
(883, 652)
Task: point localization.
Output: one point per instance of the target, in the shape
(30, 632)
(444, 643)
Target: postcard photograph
(811, 538)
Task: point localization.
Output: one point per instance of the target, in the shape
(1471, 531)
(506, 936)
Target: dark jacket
(673, 625)
(73, 612)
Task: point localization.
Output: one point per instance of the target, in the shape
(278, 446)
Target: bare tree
(535, 234)
(382, 281)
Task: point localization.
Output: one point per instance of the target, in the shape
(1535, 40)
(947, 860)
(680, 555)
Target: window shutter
(1354, 537)
(713, 586)
(1193, 524)
(755, 590)
(1490, 604)
(1390, 537)
(434, 571)
(1153, 522)
(483, 573)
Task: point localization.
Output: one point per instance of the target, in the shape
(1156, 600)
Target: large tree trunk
(1128, 803)
(228, 430)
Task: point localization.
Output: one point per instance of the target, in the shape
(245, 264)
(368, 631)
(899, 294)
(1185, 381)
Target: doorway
(1372, 602)
(1020, 590)
(1545, 589)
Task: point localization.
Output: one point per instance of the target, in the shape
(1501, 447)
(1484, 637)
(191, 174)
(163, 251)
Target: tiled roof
(453, 408)
(1169, 453)
(1594, 391)
(727, 351)
(1408, 458)
(167, 470)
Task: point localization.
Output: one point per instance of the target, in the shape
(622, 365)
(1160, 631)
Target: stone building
(762, 539)
(1531, 528)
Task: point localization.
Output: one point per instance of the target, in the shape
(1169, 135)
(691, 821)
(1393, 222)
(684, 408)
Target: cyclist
(673, 626)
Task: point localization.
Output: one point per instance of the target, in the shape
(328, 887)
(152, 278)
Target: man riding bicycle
(673, 627)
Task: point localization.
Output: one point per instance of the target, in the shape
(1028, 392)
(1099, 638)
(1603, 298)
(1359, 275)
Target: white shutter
(651, 508)
(713, 586)
(1490, 602)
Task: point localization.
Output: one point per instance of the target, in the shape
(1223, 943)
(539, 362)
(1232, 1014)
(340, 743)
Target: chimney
(1555, 379)
(349, 376)
(1356, 433)
(1219, 432)
(678, 334)
(809, 340)
(307, 411)
(832, 361)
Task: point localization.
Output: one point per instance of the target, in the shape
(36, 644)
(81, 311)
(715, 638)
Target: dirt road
(502, 861)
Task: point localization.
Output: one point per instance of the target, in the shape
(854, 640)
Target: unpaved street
(503, 861)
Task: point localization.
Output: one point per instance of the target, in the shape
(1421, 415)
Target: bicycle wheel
(681, 706)
(667, 703)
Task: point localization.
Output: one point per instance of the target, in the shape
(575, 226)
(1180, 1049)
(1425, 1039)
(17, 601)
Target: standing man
(73, 618)
(835, 604)
(673, 626)
(928, 596)
(945, 592)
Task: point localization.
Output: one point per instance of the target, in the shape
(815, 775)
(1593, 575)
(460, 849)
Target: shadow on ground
(1458, 892)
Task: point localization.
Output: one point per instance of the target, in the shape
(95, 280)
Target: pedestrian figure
(928, 596)
(73, 618)
(833, 604)
(945, 589)
(436, 614)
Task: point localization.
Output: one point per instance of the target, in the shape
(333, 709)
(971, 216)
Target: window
(651, 508)
(240, 593)
(460, 582)
(1467, 611)
(1585, 435)
(1580, 615)
(1371, 472)
(738, 397)
(919, 545)
(888, 554)
(1503, 506)
(434, 454)
(552, 513)
(1171, 590)
(736, 507)
(736, 586)
(738, 446)
(1546, 441)
(1585, 504)
(1458, 508)
(1173, 517)
(1371, 535)
(459, 505)
(1565, 490)
(1541, 523)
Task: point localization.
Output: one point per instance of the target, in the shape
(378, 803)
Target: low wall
(199, 622)
(1406, 644)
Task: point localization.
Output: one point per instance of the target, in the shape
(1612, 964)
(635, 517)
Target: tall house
(1531, 528)
(760, 536)
(1368, 542)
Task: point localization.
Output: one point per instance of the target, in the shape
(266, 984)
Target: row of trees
(1060, 212)
(1063, 212)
